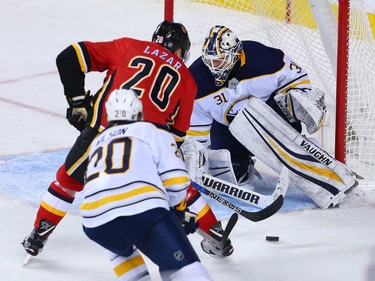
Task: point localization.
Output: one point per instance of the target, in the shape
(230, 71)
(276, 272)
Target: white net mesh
(307, 31)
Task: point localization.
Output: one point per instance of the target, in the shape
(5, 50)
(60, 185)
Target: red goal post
(331, 38)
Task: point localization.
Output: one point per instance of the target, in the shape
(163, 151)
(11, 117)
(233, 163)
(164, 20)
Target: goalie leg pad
(195, 156)
(221, 166)
(274, 142)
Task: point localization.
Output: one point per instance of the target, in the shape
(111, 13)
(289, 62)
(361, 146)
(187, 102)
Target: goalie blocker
(271, 139)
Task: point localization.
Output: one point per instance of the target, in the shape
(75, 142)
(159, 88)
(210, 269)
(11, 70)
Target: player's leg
(195, 157)
(208, 223)
(126, 260)
(132, 267)
(168, 246)
(157, 233)
(60, 195)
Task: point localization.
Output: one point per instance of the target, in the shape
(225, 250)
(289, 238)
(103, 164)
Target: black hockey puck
(272, 238)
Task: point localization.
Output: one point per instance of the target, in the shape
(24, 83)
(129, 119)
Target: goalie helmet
(123, 105)
(220, 52)
(173, 36)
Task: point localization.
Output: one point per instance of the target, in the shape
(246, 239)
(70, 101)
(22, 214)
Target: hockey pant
(158, 234)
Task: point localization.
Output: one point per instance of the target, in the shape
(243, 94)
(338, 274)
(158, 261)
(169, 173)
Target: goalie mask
(173, 36)
(220, 52)
(123, 105)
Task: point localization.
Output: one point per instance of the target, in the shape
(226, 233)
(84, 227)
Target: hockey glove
(78, 110)
(186, 218)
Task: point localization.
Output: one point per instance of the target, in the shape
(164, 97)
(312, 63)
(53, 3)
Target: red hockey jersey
(160, 78)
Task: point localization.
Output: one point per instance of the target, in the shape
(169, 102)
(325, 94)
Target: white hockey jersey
(263, 72)
(132, 168)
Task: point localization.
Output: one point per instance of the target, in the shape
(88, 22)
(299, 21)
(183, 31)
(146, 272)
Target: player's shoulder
(147, 128)
(256, 50)
(259, 60)
(203, 77)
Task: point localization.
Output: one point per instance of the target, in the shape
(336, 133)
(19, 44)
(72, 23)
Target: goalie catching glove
(78, 110)
(306, 106)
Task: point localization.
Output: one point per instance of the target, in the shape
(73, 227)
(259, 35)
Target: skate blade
(227, 260)
(26, 260)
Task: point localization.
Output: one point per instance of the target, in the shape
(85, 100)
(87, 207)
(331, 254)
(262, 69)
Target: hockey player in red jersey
(154, 70)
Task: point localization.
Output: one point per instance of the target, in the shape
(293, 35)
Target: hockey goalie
(234, 77)
(265, 97)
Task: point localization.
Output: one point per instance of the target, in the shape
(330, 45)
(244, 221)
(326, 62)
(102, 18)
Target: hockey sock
(54, 206)
(196, 204)
(129, 268)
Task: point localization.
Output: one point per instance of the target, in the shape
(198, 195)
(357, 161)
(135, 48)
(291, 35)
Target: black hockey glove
(186, 218)
(78, 110)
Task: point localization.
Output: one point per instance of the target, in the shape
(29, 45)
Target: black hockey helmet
(173, 36)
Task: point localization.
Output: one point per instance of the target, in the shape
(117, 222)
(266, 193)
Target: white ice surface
(315, 245)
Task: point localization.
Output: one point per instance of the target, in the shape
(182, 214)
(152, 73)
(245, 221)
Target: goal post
(332, 39)
(341, 81)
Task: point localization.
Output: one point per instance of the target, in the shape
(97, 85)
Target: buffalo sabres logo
(234, 108)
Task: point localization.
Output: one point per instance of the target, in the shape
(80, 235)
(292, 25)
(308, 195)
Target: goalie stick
(275, 200)
(248, 196)
(253, 216)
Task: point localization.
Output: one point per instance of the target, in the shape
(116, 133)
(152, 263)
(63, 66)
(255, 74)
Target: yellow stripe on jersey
(81, 58)
(198, 133)
(96, 114)
(313, 169)
(52, 209)
(118, 197)
(178, 139)
(78, 162)
(176, 181)
(294, 85)
(181, 206)
(128, 265)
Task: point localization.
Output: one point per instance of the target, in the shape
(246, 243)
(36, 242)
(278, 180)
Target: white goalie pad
(272, 140)
(306, 106)
(220, 165)
(195, 156)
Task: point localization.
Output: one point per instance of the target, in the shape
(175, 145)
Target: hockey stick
(253, 216)
(250, 197)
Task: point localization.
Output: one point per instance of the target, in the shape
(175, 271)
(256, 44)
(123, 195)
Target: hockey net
(307, 30)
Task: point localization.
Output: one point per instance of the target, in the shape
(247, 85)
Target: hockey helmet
(123, 105)
(173, 36)
(220, 52)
